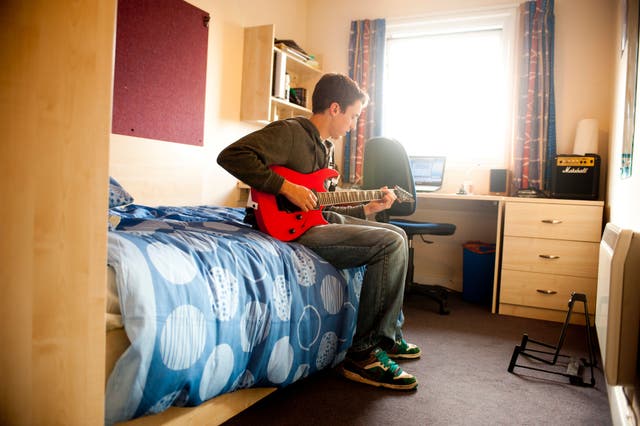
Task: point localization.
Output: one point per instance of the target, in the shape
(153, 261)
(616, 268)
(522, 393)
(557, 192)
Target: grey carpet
(463, 379)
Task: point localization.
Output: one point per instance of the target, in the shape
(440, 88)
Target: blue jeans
(349, 242)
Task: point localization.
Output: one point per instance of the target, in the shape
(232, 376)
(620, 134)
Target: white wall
(623, 203)
(159, 172)
(622, 198)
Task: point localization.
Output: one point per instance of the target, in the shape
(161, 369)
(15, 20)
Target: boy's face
(346, 120)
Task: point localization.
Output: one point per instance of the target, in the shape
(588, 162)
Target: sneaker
(378, 370)
(404, 350)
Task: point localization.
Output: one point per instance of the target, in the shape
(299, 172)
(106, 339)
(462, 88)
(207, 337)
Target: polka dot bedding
(211, 305)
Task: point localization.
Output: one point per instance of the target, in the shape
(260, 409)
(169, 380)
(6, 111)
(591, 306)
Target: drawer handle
(546, 291)
(549, 256)
(551, 221)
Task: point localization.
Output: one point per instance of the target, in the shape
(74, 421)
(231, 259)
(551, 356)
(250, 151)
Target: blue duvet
(211, 305)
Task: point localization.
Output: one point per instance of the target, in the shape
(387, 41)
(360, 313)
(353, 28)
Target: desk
(573, 226)
(494, 200)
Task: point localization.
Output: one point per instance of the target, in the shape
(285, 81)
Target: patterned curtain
(366, 63)
(535, 145)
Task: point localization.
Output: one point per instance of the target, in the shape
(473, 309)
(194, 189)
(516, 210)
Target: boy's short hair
(336, 88)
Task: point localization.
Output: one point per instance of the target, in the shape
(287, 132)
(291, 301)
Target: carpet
(462, 374)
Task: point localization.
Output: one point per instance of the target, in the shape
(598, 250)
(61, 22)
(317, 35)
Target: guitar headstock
(402, 195)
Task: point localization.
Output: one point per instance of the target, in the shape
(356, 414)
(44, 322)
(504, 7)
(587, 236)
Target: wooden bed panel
(213, 412)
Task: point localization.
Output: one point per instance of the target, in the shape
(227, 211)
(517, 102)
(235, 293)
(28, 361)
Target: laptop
(428, 172)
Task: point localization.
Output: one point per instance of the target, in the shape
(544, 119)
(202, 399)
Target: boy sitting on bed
(349, 240)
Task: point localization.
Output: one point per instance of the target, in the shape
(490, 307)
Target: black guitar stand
(574, 367)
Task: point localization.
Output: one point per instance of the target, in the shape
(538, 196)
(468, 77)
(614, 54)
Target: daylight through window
(448, 86)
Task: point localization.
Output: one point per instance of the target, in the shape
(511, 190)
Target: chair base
(435, 292)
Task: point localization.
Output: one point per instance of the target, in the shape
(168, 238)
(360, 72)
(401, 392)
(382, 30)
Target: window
(448, 83)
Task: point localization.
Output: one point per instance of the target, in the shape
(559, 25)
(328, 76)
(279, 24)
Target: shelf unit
(257, 103)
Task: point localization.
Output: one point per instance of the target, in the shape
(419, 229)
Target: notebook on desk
(428, 172)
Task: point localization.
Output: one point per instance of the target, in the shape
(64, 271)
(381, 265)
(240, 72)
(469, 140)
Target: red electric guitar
(280, 218)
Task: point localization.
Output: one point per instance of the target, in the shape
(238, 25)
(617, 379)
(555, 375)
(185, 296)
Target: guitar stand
(574, 367)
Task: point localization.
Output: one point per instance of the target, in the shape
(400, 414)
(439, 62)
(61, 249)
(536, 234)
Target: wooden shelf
(257, 103)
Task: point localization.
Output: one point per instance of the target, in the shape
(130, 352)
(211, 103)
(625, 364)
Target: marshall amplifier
(576, 177)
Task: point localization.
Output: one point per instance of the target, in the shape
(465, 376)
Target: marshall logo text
(578, 170)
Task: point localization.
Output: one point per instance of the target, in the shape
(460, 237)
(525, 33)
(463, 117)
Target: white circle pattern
(173, 264)
(244, 267)
(332, 294)
(280, 361)
(195, 241)
(254, 325)
(263, 244)
(225, 293)
(327, 350)
(282, 298)
(164, 403)
(183, 337)
(303, 371)
(309, 318)
(244, 381)
(357, 283)
(304, 267)
(217, 371)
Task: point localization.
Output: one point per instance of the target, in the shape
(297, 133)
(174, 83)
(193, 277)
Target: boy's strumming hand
(299, 195)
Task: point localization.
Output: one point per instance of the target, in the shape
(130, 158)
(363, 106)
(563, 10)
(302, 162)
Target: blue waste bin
(478, 260)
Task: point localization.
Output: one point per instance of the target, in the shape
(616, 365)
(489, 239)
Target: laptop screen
(428, 172)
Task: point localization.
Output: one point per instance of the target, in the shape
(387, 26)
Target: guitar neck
(348, 196)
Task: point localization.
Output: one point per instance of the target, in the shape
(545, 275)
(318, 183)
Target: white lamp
(586, 140)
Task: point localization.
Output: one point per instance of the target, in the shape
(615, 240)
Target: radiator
(618, 304)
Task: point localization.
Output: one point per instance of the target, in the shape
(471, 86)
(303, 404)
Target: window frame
(502, 18)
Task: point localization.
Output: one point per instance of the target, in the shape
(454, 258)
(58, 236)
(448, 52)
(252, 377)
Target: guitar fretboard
(347, 197)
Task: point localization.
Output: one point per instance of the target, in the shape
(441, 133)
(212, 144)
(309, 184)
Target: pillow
(117, 194)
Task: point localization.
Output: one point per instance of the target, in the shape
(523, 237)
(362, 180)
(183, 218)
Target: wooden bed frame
(212, 412)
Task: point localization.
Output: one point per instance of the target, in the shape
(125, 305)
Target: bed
(204, 311)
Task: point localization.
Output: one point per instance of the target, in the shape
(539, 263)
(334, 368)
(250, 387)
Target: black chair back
(386, 164)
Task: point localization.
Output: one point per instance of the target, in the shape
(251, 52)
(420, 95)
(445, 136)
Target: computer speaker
(499, 181)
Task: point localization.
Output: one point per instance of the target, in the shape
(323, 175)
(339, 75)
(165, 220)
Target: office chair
(386, 164)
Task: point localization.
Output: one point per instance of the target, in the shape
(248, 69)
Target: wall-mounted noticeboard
(160, 70)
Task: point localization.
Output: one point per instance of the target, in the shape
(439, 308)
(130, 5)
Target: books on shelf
(299, 54)
(279, 75)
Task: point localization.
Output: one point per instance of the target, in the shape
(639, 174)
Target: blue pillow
(118, 196)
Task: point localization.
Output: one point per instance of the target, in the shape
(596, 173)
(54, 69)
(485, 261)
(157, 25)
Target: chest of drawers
(550, 249)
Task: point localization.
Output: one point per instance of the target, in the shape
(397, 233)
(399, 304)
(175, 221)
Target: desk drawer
(574, 258)
(556, 221)
(545, 290)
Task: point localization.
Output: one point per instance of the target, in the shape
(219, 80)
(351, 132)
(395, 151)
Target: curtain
(366, 63)
(535, 144)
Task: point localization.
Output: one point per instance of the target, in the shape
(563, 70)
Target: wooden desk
(527, 283)
(494, 199)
